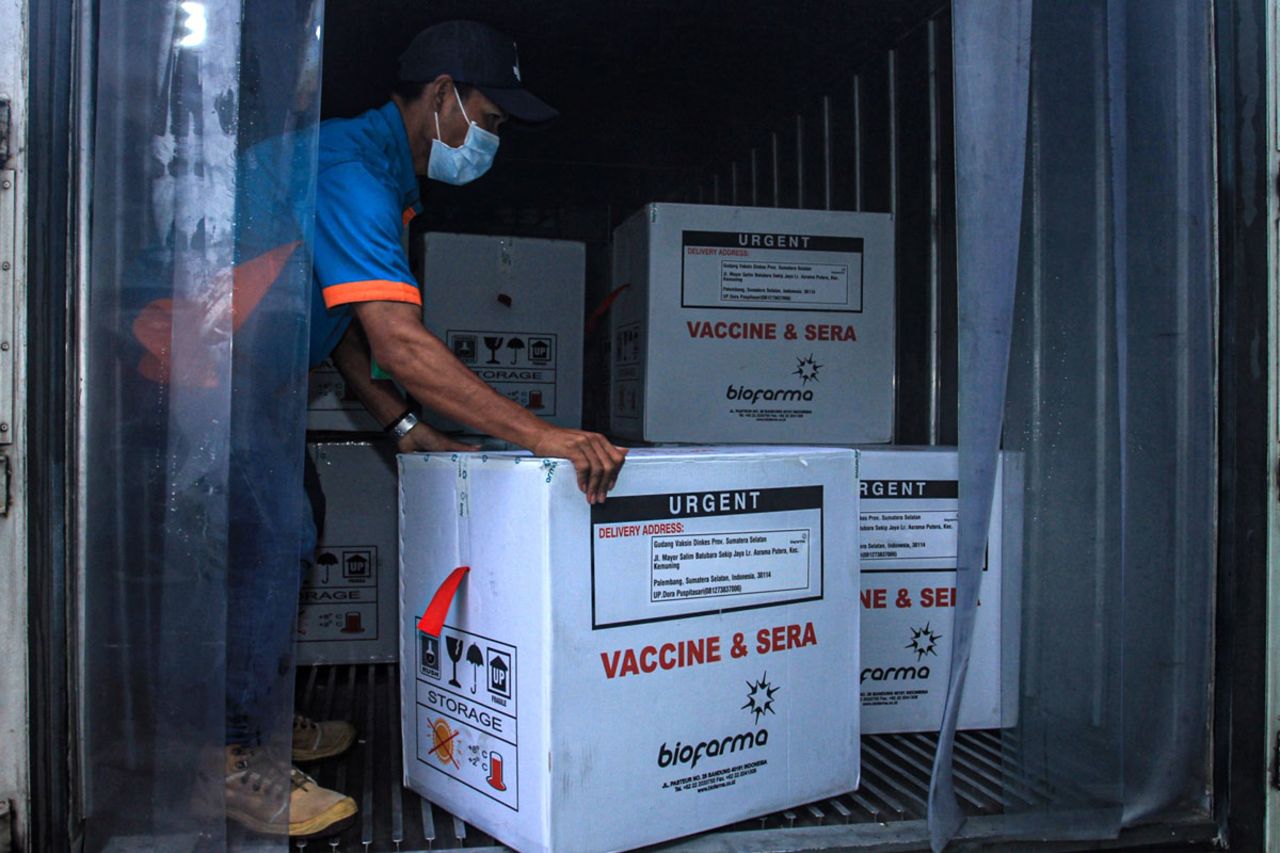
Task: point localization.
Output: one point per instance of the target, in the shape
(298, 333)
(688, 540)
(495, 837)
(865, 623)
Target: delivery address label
(779, 272)
(724, 564)
(668, 556)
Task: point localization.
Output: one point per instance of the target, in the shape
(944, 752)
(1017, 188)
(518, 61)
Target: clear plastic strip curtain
(194, 360)
(992, 71)
(1087, 353)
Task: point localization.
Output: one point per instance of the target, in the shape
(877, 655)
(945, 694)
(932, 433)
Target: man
(460, 82)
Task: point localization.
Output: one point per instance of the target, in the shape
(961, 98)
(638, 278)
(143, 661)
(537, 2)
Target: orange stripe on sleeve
(408, 215)
(252, 279)
(371, 291)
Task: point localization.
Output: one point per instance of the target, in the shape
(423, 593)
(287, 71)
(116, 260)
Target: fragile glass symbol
(454, 646)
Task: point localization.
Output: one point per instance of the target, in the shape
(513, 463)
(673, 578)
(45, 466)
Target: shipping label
(776, 272)
(697, 566)
(908, 525)
(667, 556)
(519, 365)
(466, 712)
(921, 535)
(339, 600)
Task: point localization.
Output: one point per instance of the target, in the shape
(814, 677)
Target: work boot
(274, 798)
(313, 741)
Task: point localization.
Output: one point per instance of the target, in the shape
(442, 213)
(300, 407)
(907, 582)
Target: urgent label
(670, 555)
(797, 272)
(908, 524)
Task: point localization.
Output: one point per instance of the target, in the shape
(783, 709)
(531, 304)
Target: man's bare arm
(429, 371)
(380, 396)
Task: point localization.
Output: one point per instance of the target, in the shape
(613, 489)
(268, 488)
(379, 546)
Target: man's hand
(425, 438)
(432, 374)
(596, 461)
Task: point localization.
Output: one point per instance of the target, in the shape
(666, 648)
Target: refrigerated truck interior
(1084, 214)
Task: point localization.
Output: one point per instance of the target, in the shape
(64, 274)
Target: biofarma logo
(691, 754)
(754, 395)
(924, 641)
(895, 673)
(807, 370)
(760, 699)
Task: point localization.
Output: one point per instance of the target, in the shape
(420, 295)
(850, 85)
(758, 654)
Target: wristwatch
(400, 426)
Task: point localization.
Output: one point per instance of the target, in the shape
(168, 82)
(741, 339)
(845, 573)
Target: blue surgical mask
(463, 164)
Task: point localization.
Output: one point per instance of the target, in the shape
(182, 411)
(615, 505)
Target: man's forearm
(379, 396)
(433, 375)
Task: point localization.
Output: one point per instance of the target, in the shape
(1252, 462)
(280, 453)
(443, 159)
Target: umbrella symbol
(476, 659)
(515, 345)
(327, 560)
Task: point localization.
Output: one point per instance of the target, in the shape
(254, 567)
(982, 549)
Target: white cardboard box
(347, 612)
(615, 676)
(748, 324)
(511, 309)
(908, 539)
(330, 407)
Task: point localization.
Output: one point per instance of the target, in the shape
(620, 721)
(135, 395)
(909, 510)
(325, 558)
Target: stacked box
(347, 610)
(908, 543)
(613, 676)
(744, 324)
(511, 309)
(332, 407)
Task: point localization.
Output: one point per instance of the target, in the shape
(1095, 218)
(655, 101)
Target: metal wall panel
(880, 139)
(14, 757)
(913, 209)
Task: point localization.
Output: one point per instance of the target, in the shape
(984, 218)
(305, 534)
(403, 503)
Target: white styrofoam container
(617, 675)
(748, 324)
(347, 612)
(511, 309)
(908, 543)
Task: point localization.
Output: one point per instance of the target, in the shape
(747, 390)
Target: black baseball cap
(474, 53)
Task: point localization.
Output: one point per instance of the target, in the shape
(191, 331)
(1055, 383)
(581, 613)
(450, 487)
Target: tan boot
(274, 798)
(313, 741)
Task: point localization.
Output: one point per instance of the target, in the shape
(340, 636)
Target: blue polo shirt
(366, 192)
